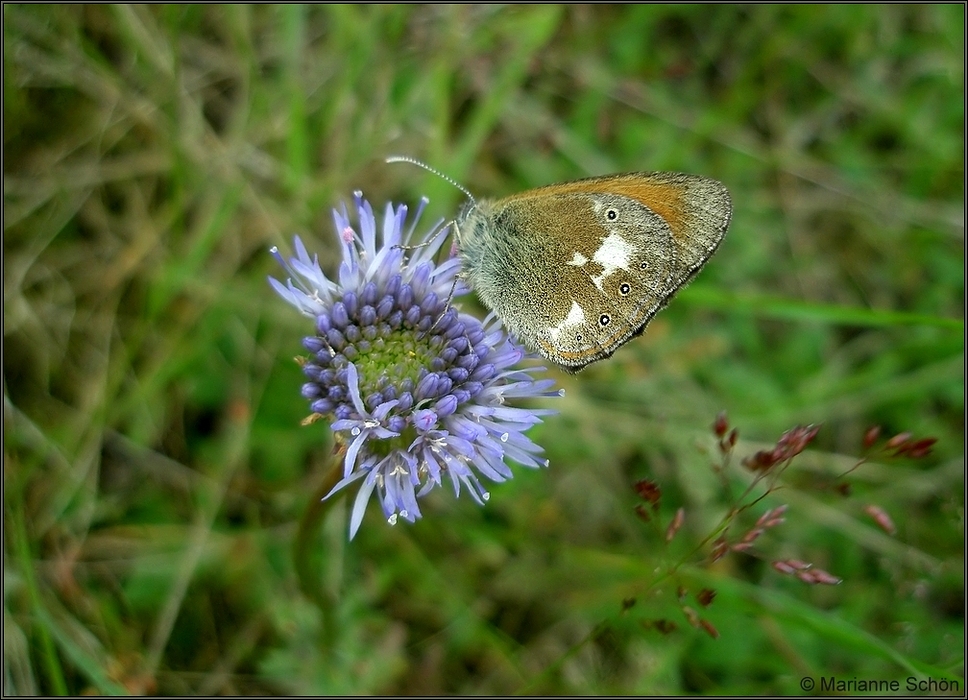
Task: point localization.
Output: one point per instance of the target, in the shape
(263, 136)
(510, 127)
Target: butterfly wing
(576, 270)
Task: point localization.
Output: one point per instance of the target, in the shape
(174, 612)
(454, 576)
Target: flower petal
(359, 504)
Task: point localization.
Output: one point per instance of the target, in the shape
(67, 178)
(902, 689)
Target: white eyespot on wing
(612, 255)
(577, 259)
(575, 317)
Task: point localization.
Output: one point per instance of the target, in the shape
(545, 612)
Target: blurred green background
(155, 470)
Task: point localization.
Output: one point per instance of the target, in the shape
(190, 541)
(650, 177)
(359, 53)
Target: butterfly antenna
(421, 164)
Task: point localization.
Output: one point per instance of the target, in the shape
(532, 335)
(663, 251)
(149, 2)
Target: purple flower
(414, 389)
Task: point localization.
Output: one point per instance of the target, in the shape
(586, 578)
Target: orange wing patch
(667, 199)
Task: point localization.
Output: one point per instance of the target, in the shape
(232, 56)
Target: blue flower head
(414, 389)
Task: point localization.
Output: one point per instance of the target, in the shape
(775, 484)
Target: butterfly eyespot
(604, 319)
(578, 337)
(643, 265)
(624, 288)
(611, 215)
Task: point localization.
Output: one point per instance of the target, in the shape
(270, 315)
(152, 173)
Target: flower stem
(309, 568)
